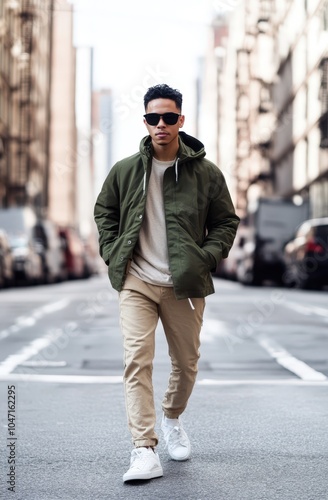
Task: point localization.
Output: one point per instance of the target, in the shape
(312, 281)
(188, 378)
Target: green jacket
(200, 219)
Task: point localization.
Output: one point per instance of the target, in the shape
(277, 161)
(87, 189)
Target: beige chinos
(141, 306)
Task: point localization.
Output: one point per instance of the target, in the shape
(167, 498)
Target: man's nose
(161, 122)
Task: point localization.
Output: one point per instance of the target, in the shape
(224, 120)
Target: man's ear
(181, 120)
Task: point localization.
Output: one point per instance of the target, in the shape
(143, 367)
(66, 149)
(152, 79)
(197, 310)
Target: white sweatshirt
(150, 259)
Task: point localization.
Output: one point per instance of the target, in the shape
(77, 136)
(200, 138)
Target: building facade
(300, 138)
(62, 197)
(102, 124)
(277, 68)
(25, 75)
(84, 150)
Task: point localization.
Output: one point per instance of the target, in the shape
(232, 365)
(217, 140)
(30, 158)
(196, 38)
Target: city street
(257, 418)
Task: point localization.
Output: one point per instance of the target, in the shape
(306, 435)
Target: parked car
(18, 222)
(73, 251)
(93, 263)
(270, 224)
(46, 234)
(228, 267)
(27, 263)
(6, 261)
(306, 255)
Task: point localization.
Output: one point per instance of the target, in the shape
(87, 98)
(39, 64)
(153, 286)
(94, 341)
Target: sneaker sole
(143, 476)
(180, 459)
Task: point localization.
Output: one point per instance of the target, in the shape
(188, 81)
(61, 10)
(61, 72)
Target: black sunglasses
(154, 118)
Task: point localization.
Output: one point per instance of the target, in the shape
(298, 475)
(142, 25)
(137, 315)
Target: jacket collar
(189, 147)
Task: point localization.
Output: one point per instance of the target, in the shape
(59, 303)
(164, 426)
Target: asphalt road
(257, 418)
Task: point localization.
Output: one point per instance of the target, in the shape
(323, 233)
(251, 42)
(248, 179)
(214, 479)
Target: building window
(318, 198)
(325, 16)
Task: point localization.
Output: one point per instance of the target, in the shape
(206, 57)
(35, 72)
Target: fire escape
(29, 49)
(263, 112)
(24, 93)
(254, 106)
(243, 127)
(20, 26)
(323, 122)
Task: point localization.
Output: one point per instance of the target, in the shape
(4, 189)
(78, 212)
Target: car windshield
(10, 221)
(18, 242)
(16, 220)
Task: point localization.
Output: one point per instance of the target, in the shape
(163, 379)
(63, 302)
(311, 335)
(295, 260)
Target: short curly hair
(163, 91)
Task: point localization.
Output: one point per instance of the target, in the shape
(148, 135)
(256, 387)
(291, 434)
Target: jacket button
(129, 242)
(121, 258)
(140, 216)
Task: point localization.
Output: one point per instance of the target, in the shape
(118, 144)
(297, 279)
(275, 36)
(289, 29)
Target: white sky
(137, 44)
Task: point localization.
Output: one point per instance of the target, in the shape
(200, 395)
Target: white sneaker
(177, 441)
(144, 464)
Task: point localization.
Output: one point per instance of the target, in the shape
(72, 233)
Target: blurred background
(254, 76)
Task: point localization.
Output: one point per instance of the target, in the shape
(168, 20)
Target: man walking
(165, 221)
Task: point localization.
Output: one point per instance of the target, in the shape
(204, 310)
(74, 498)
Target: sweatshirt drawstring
(144, 183)
(191, 305)
(176, 170)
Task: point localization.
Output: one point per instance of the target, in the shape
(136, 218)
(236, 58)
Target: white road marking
(27, 321)
(213, 329)
(277, 381)
(44, 363)
(285, 359)
(320, 311)
(63, 379)
(113, 379)
(306, 310)
(295, 306)
(10, 363)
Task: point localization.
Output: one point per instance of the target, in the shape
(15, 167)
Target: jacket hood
(189, 147)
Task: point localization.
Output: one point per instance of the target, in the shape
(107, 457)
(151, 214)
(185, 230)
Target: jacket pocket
(193, 259)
